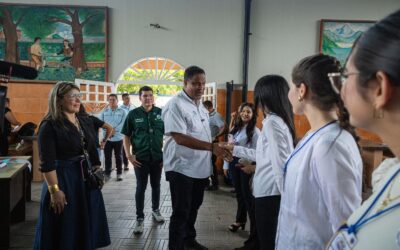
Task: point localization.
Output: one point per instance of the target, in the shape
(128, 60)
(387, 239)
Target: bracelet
(53, 189)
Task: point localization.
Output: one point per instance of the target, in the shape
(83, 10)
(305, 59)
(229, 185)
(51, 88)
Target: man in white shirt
(187, 157)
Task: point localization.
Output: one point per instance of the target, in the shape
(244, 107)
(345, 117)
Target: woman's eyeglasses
(338, 80)
(74, 96)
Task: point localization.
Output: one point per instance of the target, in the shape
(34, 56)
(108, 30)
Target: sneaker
(119, 177)
(157, 216)
(138, 227)
(194, 245)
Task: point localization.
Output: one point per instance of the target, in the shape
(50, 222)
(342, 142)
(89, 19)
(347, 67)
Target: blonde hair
(55, 112)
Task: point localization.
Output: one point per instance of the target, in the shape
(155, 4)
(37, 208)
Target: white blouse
(273, 147)
(241, 140)
(382, 232)
(321, 189)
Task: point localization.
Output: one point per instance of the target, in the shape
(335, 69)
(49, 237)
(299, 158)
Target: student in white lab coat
(274, 145)
(323, 175)
(370, 89)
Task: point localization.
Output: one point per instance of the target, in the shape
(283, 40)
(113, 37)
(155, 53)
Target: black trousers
(266, 214)
(154, 170)
(117, 147)
(187, 196)
(241, 183)
(124, 158)
(214, 176)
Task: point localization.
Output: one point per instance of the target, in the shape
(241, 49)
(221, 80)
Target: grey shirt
(216, 122)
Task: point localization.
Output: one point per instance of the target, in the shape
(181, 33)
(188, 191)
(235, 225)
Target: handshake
(223, 150)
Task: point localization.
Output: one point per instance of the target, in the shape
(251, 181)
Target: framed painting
(61, 42)
(338, 36)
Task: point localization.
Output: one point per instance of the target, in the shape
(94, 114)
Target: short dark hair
(112, 95)
(145, 88)
(125, 94)
(192, 71)
(208, 104)
(37, 38)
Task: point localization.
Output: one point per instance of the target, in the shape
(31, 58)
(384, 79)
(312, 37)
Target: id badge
(342, 240)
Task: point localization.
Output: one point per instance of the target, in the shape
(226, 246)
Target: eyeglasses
(338, 79)
(74, 96)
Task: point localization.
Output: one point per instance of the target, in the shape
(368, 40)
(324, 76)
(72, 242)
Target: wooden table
(372, 154)
(12, 199)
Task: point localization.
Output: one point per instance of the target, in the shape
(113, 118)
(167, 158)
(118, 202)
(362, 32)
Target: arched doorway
(164, 75)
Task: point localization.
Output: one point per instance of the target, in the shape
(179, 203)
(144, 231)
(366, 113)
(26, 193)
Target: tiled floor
(216, 213)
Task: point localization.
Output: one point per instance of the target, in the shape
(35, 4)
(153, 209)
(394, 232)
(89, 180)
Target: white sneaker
(157, 216)
(138, 227)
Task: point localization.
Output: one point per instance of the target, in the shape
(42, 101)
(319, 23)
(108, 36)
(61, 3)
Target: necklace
(385, 202)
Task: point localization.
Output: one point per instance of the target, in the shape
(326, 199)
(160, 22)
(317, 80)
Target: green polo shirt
(146, 130)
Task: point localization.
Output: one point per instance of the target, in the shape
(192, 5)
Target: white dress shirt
(273, 147)
(321, 189)
(182, 115)
(240, 138)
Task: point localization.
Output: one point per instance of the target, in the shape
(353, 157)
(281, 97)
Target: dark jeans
(241, 183)
(187, 196)
(124, 158)
(117, 147)
(267, 212)
(154, 170)
(214, 176)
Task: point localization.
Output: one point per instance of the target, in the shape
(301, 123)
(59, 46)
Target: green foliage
(36, 23)
(93, 27)
(95, 52)
(139, 74)
(328, 45)
(159, 89)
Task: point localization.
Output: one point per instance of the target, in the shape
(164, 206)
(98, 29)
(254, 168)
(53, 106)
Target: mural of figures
(62, 42)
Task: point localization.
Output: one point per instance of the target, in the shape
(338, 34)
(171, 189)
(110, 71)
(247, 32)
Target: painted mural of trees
(19, 25)
(10, 18)
(77, 19)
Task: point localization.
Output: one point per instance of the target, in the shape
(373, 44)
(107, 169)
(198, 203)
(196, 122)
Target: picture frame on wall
(62, 42)
(338, 36)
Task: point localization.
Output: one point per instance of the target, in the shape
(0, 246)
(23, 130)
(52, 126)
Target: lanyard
(360, 222)
(296, 151)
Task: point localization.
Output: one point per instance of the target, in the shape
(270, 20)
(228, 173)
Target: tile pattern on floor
(217, 212)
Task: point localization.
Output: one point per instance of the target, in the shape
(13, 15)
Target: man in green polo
(144, 130)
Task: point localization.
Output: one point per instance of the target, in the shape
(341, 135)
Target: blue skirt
(82, 224)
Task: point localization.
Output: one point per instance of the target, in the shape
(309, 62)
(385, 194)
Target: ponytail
(344, 119)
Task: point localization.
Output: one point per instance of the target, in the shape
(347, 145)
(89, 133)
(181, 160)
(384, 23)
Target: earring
(378, 113)
(300, 99)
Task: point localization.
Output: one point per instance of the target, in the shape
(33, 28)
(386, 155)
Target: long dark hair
(271, 93)
(378, 49)
(313, 72)
(239, 124)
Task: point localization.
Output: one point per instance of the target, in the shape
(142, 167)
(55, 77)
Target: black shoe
(212, 188)
(126, 168)
(194, 245)
(235, 226)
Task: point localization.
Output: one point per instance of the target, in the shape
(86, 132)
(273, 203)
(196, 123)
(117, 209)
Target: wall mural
(338, 36)
(62, 42)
